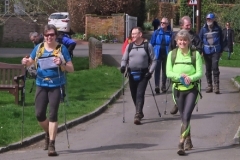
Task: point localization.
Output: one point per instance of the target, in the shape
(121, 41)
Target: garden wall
(105, 26)
(17, 28)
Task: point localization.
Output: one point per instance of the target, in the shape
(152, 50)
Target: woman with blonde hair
(185, 73)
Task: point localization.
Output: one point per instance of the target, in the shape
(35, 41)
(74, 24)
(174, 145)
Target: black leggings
(43, 96)
(138, 89)
(185, 100)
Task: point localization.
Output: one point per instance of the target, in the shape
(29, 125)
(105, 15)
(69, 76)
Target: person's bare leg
(53, 130)
(45, 126)
(52, 135)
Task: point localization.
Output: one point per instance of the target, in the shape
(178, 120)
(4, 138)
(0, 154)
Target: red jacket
(127, 41)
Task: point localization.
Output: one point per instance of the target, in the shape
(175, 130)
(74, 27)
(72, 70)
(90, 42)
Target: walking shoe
(164, 90)
(137, 119)
(216, 88)
(209, 88)
(174, 109)
(181, 149)
(51, 148)
(46, 141)
(141, 115)
(188, 145)
(157, 90)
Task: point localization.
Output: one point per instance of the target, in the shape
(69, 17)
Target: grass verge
(87, 89)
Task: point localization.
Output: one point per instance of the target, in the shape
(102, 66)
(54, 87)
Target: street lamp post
(198, 15)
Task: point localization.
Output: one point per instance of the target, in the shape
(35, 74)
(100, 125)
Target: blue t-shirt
(52, 77)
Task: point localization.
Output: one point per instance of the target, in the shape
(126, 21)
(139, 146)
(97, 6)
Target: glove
(148, 75)
(122, 70)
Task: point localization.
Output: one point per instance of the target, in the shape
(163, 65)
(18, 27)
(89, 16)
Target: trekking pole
(168, 85)
(23, 101)
(64, 111)
(123, 98)
(23, 105)
(154, 98)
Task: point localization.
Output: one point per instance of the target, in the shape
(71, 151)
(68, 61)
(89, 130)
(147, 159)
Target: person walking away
(185, 75)
(36, 38)
(155, 23)
(160, 40)
(66, 40)
(52, 59)
(140, 64)
(228, 39)
(127, 41)
(196, 44)
(211, 37)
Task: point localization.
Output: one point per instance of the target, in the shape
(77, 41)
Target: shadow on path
(111, 147)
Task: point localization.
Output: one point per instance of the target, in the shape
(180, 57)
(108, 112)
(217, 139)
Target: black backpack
(145, 42)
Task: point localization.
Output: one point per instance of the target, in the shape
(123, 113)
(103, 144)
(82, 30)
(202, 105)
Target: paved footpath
(106, 137)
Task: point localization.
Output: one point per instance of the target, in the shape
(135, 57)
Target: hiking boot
(209, 88)
(188, 145)
(157, 90)
(181, 149)
(174, 109)
(137, 119)
(46, 141)
(141, 115)
(51, 148)
(216, 88)
(164, 89)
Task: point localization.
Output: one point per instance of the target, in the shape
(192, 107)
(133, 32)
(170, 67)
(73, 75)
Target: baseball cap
(210, 16)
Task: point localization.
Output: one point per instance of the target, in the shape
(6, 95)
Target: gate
(130, 22)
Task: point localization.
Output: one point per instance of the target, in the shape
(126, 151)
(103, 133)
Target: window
(4, 6)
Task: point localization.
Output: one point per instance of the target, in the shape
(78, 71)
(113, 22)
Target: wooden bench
(12, 79)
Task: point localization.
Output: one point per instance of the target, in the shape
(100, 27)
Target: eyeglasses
(50, 34)
(135, 33)
(164, 23)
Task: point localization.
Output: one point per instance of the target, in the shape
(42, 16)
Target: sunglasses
(50, 34)
(163, 22)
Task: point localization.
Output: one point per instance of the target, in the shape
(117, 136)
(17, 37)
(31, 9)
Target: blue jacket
(215, 35)
(156, 40)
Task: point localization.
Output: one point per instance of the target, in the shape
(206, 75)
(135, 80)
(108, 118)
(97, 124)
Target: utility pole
(198, 14)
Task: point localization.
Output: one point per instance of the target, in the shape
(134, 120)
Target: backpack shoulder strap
(193, 57)
(130, 46)
(39, 53)
(173, 56)
(145, 43)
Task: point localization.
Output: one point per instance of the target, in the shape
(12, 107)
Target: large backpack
(145, 46)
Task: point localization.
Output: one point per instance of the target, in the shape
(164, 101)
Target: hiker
(155, 23)
(66, 40)
(185, 75)
(228, 39)
(36, 38)
(211, 37)
(140, 62)
(51, 59)
(160, 41)
(196, 44)
(127, 41)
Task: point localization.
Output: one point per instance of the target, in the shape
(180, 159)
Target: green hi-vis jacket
(174, 71)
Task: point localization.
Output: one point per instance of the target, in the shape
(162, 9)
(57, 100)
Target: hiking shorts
(43, 97)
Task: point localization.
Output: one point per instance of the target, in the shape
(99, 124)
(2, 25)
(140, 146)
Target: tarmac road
(106, 137)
